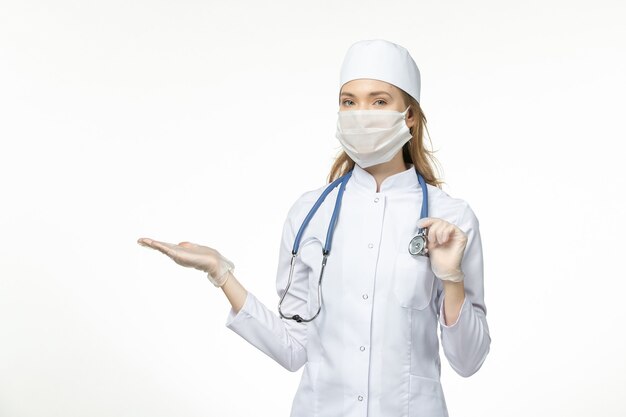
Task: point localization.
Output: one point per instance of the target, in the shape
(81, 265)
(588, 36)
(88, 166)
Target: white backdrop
(205, 120)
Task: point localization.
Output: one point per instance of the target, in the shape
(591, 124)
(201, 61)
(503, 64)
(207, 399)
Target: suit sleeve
(466, 342)
(283, 340)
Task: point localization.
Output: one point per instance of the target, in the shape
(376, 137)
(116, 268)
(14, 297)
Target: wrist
(221, 279)
(454, 290)
(456, 276)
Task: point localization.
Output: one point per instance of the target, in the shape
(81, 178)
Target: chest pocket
(413, 280)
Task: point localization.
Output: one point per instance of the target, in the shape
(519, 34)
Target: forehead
(364, 86)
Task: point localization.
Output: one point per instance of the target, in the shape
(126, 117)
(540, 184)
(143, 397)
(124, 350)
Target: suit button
(371, 245)
(376, 200)
(365, 296)
(360, 398)
(362, 348)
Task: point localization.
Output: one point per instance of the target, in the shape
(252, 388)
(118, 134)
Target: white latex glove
(446, 246)
(195, 256)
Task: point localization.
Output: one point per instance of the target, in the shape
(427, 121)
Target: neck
(384, 170)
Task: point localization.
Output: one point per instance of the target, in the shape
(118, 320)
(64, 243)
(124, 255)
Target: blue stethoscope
(417, 245)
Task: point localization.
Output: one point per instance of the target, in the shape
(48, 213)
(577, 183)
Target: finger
(452, 231)
(439, 235)
(442, 233)
(429, 237)
(144, 241)
(432, 232)
(426, 222)
(167, 248)
(192, 247)
(149, 243)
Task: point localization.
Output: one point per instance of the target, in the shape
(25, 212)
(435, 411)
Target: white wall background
(205, 120)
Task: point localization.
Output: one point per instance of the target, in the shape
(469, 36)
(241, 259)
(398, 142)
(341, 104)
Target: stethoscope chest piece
(418, 245)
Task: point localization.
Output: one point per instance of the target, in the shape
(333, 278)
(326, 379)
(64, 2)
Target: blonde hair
(413, 152)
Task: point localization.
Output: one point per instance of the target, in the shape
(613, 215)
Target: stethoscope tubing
(331, 227)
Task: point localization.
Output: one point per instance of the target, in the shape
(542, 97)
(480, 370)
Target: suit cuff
(442, 313)
(234, 317)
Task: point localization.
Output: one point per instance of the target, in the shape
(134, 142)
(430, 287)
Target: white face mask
(372, 137)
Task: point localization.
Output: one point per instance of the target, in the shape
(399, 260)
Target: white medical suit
(373, 351)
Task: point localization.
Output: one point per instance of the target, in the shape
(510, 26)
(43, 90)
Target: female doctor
(391, 275)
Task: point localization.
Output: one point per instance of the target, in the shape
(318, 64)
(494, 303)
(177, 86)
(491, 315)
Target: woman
(370, 348)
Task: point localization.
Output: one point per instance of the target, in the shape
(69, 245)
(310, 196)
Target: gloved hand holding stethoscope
(446, 246)
(195, 256)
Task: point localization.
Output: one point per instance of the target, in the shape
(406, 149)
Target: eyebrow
(373, 93)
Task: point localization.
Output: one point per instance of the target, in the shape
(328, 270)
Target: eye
(346, 101)
(380, 100)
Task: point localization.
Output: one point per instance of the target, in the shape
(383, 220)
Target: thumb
(425, 222)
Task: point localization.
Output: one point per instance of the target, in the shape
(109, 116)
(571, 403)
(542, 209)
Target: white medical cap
(381, 60)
